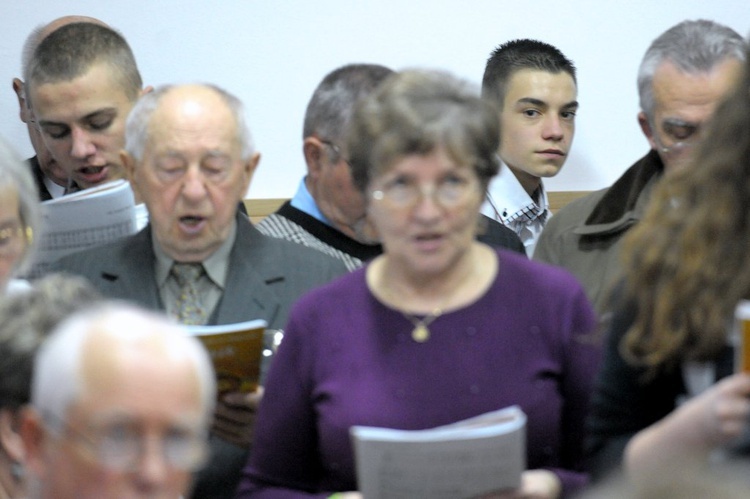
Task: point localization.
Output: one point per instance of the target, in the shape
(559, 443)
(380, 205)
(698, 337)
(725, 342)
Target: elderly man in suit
(189, 156)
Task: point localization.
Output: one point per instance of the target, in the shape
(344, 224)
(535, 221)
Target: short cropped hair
(139, 120)
(516, 55)
(415, 112)
(29, 46)
(71, 50)
(332, 104)
(16, 175)
(57, 382)
(26, 319)
(693, 47)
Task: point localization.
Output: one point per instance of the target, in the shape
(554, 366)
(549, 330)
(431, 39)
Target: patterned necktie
(189, 309)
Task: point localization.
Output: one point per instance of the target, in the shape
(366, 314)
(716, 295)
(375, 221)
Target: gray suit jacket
(266, 276)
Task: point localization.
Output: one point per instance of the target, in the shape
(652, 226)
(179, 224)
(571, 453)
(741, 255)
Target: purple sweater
(347, 359)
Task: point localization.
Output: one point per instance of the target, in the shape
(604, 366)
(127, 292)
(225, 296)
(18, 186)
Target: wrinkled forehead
(692, 96)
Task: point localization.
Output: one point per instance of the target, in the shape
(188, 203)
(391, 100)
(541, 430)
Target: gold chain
(421, 331)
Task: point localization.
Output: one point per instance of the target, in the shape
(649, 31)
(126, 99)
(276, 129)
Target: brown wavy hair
(687, 264)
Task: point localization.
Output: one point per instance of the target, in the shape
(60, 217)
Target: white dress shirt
(509, 203)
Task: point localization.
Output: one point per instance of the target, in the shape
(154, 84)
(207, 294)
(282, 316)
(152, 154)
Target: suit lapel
(248, 293)
(131, 274)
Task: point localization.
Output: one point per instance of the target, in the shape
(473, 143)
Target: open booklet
(82, 219)
(236, 351)
(466, 459)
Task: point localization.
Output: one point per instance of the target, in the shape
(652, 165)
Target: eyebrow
(679, 122)
(540, 103)
(106, 110)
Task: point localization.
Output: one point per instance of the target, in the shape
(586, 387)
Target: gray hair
(692, 46)
(414, 112)
(16, 174)
(26, 319)
(57, 383)
(137, 124)
(332, 104)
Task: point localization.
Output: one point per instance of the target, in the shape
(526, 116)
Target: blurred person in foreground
(26, 319)
(19, 219)
(667, 396)
(121, 401)
(439, 327)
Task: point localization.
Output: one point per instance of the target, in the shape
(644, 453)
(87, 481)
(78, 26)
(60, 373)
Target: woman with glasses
(19, 217)
(438, 328)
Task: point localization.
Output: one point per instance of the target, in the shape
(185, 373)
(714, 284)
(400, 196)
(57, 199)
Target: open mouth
(428, 242)
(93, 174)
(191, 220)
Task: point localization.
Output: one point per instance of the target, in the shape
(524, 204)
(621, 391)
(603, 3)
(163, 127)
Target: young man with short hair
(534, 86)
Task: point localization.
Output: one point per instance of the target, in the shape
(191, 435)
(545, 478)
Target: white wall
(273, 53)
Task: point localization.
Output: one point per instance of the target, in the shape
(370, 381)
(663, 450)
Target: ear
(249, 169)
(312, 148)
(34, 438)
(23, 108)
(645, 124)
(129, 164)
(145, 90)
(10, 436)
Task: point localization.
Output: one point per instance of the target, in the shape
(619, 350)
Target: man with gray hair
(684, 74)
(190, 157)
(327, 212)
(121, 401)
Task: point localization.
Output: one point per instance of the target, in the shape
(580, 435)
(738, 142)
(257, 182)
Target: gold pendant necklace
(421, 332)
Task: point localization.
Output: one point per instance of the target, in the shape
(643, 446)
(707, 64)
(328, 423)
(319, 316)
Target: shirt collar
(507, 196)
(216, 265)
(304, 202)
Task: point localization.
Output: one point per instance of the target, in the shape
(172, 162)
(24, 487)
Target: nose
(153, 469)
(427, 207)
(553, 128)
(82, 147)
(194, 186)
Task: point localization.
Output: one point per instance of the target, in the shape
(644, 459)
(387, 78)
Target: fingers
(728, 407)
(234, 417)
(248, 401)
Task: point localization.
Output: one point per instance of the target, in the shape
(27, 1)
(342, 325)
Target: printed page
(461, 460)
(83, 219)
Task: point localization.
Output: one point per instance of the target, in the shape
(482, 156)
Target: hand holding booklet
(483, 454)
(236, 351)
